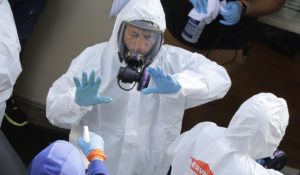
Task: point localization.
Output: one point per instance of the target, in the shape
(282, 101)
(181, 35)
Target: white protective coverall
(10, 66)
(254, 132)
(137, 129)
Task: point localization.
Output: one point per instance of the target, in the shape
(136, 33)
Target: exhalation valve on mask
(135, 71)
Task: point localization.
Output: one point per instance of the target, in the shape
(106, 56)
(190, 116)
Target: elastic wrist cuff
(96, 154)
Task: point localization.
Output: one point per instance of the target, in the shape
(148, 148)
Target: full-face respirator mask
(139, 42)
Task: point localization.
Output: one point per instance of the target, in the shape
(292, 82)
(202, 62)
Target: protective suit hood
(60, 157)
(148, 10)
(258, 126)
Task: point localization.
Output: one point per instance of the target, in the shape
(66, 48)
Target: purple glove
(231, 13)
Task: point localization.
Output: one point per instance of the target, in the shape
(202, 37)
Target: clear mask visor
(139, 42)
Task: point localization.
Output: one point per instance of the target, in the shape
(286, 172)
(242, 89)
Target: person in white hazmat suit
(254, 132)
(137, 126)
(10, 66)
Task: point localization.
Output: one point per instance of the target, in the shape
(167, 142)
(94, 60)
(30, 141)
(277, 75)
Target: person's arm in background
(262, 7)
(10, 66)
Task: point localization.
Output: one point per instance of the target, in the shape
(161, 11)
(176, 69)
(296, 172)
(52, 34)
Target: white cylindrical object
(86, 134)
(193, 30)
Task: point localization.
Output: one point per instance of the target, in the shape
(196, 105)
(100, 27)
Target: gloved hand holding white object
(231, 12)
(87, 91)
(200, 5)
(212, 11)
(165, 83)
(96, 143)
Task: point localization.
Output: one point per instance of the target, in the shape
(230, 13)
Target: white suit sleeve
(61, 109)
(200, 78)
(10, 66)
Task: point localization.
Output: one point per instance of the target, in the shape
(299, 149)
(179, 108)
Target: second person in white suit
(254, 132)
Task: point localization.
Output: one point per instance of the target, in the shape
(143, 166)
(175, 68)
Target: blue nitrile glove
(165, 83)
(87, 91)
(231, 13)
(96, 142)
(200, 5)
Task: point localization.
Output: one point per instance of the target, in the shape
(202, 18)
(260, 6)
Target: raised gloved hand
(93, 149)
(200, 5)
(87, 91)
(231, 13)
(165, 83)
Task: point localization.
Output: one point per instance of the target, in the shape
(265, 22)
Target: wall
(63, 30)
(288, 18)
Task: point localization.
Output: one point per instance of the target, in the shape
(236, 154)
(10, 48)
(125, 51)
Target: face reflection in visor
(139, 40)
